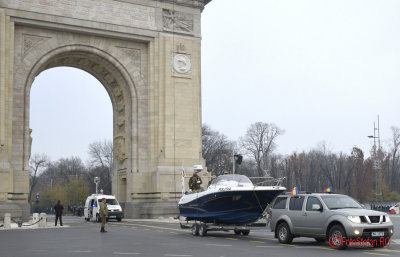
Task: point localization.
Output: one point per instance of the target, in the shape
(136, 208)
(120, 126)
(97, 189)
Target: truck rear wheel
(284, 234)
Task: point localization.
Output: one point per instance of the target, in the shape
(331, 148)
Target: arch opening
(122, 95)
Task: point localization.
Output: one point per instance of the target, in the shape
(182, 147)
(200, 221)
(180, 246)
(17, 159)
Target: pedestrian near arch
(103, 214)
(58, 208)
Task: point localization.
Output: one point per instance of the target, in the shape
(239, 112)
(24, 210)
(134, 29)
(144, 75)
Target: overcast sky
(320, 70)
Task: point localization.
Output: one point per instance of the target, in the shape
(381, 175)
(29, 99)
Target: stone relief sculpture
(177, 21)
(30, 143)
(120, 153)
(30, 42)
(181, 63)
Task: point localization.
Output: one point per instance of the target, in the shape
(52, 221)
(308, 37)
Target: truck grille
(374, 219)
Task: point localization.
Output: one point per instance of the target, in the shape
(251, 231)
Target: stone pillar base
(18, 210)
(151, 209)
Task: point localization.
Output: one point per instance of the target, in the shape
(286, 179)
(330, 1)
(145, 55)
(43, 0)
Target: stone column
(6, 87)
(43, 220)
(7, 221)
(35, 219)
(14, 184)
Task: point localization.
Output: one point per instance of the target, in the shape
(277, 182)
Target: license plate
(377, 233)
(116, 216)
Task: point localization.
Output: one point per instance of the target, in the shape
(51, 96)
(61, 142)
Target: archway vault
(117, 83)
(147, 56)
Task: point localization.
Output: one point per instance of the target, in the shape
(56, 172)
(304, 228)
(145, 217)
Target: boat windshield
(232, 180)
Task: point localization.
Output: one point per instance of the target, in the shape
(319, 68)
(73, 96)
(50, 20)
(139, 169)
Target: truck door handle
(304, 214)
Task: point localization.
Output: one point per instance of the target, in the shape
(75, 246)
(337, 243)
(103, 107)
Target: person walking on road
(103, 213)
(58, 209)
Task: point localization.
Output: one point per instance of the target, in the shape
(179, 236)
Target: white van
(92, 207)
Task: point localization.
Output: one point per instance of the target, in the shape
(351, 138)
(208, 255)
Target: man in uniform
(103, 213)
(195, 182)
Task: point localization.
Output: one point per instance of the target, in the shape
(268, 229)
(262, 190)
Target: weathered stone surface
(146, 54)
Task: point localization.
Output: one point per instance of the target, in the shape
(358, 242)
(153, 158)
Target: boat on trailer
(231, 201)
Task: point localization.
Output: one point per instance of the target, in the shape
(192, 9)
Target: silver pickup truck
(334, 217)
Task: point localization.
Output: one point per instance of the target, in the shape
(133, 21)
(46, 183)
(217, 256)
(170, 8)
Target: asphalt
(165, 238)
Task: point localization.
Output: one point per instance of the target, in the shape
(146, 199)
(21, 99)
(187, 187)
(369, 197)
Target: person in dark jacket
(58, 209)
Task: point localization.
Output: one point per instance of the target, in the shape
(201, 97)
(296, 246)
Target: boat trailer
(201, 228)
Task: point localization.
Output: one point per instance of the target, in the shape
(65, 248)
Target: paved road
(149, 238)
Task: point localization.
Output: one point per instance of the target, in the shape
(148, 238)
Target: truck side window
(280, 203)
(310, 201)
(296, 203)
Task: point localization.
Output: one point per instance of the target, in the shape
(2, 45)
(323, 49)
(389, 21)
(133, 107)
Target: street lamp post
(376, 163)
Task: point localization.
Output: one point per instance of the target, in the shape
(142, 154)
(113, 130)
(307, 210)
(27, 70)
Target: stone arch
(117, 82)
(142, 51)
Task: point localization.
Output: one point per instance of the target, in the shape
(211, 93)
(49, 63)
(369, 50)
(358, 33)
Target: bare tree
(394, 157)
(216, 150)
(259, 143)
(36, 164)
(101, 153)
(101, 163)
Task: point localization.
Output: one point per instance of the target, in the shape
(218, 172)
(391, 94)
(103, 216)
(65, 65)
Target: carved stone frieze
(177, 21)
(120, 150)
(180, 48)
(133, 54)
(3, 148)
(30, 42)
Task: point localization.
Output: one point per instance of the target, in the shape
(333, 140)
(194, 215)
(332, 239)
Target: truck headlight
(387, 218)
(354, 219)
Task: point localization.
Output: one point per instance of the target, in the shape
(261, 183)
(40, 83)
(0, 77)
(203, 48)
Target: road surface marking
(257, 241)
(377, 253)
(148, 226)
(218, 245)
(77, 251)
(230, 238)
(126, 253)
(178, 255)
(386, 250)
(325, 248)
(268, 246)
(262, 238)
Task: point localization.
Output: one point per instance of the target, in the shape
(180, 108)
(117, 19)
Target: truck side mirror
(316, 207)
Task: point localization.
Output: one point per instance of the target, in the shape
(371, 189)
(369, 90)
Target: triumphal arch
(146, 53)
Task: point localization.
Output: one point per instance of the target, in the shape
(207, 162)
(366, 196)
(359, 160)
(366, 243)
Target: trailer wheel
(237, 231)
(245, 232)
(195, 229)
(203, 230)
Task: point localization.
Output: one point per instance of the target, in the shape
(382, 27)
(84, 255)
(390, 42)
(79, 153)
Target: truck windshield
(340, 202)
